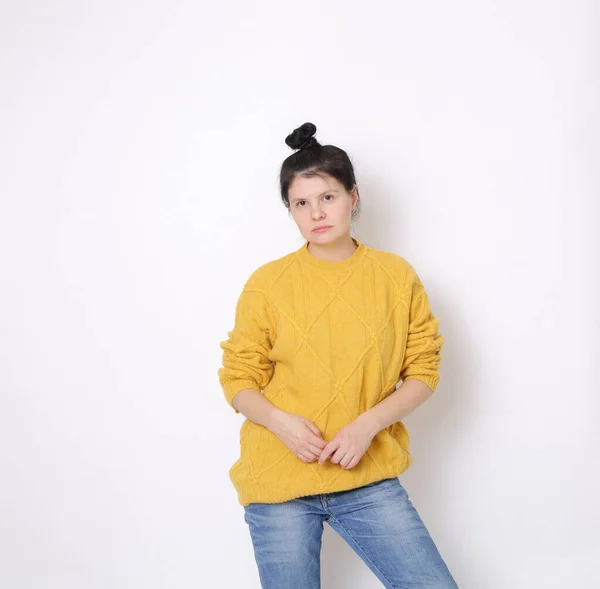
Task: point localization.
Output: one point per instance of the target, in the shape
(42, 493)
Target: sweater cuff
(233, 387)
(430, 380)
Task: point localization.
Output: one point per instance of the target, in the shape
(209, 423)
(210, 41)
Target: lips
(322, 228)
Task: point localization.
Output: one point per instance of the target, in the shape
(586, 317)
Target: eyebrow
(322, 193)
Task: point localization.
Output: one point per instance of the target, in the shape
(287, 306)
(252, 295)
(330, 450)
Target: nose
(317, 213)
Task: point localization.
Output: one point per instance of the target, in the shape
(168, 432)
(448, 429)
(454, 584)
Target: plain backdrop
(141, 143)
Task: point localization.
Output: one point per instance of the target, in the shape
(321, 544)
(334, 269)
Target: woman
(326, 333)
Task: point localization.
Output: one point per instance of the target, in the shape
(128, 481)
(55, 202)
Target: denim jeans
(377, 520)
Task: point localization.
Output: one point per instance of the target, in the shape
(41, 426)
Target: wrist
(275, 419)
(370, 422)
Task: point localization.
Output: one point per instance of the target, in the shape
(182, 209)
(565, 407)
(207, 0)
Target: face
(317, 201)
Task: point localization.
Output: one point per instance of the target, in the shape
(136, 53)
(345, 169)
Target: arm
(256, 407)
(246, 363)
(419, 374)
(420, 367)
(247, 369)
(396, 406)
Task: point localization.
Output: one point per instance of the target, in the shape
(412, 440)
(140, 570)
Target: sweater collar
(359, 253)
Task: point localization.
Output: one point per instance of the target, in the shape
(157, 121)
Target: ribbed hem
(357, 256)
(253, 492)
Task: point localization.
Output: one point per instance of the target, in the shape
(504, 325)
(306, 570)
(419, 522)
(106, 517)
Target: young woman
(326, 333)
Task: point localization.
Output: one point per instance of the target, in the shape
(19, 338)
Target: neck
(336, 251)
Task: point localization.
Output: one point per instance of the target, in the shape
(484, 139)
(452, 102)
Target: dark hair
(314, 159)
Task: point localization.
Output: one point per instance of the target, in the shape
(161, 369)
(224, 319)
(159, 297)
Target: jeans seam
(361, 549)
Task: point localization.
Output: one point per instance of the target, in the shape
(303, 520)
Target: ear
(354, 193)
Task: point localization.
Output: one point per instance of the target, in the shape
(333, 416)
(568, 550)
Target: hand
(299, 434)
(349, 444)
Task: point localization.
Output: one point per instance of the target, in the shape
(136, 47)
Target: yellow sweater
(326, 340)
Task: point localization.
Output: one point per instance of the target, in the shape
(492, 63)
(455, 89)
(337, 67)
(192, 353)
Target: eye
(328, 196)
(299, 202)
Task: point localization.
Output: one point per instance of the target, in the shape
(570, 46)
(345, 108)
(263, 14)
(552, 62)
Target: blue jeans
(377, 520)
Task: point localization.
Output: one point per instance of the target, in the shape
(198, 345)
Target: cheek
(302, 213)
(342, 211)
(299, 216)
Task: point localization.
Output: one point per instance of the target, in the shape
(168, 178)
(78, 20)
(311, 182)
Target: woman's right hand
(299, 434)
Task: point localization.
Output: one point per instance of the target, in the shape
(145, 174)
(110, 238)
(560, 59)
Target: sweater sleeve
(246, 361)
(422, 356)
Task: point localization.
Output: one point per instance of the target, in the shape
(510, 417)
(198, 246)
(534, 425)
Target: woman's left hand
(349, 444)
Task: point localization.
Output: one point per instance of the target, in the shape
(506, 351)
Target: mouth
(322, 228)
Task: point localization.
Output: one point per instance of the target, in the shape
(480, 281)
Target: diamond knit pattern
(326, 340)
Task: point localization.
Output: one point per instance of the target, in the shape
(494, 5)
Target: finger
(329, 448)
(315, 448)
(312, 452)
(307, 456)
(354, 461)
(346, 460)
(320, 442)
(313, 428)
(338, 455)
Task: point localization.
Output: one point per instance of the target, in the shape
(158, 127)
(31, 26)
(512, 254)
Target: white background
(140, 148)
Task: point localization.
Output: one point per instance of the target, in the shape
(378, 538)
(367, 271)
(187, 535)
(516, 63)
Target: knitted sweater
(326, 340)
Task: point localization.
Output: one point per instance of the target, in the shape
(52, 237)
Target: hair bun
(302, 137)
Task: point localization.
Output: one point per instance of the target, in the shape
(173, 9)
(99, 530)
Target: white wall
(140, 147)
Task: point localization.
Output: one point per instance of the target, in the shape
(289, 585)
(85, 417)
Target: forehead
(308, 187)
